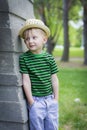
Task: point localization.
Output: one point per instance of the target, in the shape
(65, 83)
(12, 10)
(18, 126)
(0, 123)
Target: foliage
(75, 36)
(75, 7)
(52, 14)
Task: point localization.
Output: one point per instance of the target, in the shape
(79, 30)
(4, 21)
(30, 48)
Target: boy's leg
(51, 121)
(37, 114)
(43, 114)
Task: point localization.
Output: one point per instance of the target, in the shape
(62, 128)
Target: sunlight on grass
(72, 92)
(73, 115)
(74, 52)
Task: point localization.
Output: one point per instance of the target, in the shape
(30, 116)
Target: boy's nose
(31, 40)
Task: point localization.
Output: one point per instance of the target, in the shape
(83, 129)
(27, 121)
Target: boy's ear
(24, 41)
(45, 39)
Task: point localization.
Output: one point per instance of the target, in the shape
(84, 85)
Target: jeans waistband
(44, 97)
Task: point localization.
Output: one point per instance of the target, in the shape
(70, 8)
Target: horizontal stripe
(40, 68)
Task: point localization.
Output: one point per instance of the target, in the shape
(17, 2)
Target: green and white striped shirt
(40, 67)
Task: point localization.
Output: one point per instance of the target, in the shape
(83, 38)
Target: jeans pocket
(54, 104)
(30, 106)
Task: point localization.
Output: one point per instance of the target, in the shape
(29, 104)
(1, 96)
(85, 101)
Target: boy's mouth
(32, 46)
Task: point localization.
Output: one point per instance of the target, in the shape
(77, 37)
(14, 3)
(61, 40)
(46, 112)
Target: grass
(74, 52)
(73, 91)
(73, 115)
(73, 85)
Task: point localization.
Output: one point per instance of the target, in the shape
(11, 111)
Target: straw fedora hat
(34, 23)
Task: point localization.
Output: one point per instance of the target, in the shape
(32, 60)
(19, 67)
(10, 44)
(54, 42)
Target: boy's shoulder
(24, 54)
(49, 55)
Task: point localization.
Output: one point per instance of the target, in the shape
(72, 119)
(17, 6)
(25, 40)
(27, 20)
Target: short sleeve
(22, 66)
(54, 68)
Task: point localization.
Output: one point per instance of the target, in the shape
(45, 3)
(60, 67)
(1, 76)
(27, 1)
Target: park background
(67, 20)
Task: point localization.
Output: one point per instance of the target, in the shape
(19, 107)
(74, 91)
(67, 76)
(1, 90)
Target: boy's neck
(37, 53)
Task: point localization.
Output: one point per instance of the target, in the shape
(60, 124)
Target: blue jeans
(43, 114)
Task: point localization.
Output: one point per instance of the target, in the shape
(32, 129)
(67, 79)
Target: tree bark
(85, 33)
(50, 45)
(65, 56)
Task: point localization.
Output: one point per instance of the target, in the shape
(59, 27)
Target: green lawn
(73, 85)
(74, 52)
(72, 92)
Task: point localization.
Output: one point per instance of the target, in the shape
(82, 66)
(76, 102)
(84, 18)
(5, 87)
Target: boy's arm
(55, 85)
(27, 88)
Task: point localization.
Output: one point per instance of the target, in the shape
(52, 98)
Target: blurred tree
(84, 4)
(68, 14)
(76, 24)
(65, 56)
(51, 14)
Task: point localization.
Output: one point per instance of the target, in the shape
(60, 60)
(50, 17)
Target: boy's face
(34, 40)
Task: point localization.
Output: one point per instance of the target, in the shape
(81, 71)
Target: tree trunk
(50, 45)
(65, 56)
(85, 34)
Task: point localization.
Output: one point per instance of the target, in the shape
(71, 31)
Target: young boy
(40, 82)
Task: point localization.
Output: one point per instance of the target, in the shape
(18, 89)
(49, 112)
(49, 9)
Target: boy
(40, 82)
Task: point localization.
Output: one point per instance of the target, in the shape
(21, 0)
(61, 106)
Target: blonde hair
(42, 32)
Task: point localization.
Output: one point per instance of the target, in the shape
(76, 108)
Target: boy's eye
(34, 37)
(27, 39)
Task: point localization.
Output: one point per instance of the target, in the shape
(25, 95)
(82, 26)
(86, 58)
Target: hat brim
(26, 27)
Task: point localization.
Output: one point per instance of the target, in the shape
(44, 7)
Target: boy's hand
(31, 102)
